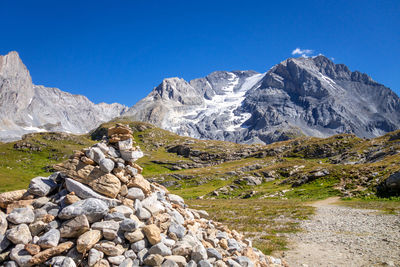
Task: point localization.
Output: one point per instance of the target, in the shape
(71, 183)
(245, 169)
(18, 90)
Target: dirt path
(343, 236)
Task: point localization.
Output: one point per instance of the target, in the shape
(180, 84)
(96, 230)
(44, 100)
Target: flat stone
(131, 155)
(20, 256)
(111, 225)
(107, 184)
(119, 129)
(152, 233)
(86, 192)
(135, 236)
(116, 260)
(125, 144)
(115, 216)
(74, 227)
(135, 193)
(110, 248)
(48, 253)
(127, 211)
(139, 181)
(87, 240)
(94, 209)
(19, 234)
(21, 215)
(160, 249)
(41, 186)
(49, 239)
(9, 197)
(106, 165)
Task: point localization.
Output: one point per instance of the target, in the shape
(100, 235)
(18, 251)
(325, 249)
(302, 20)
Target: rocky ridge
(98, 210)
(26, 107)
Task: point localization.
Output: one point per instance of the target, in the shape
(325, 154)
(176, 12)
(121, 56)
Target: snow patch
(33, 129)
(221, 104)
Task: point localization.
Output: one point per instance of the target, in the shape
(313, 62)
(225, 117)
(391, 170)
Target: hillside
(257, 184)
(306, 167)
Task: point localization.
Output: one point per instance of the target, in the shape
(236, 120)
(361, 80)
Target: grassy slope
(18, 167)
(274, 208)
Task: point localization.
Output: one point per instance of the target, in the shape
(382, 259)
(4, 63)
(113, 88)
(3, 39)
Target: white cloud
(302, 52)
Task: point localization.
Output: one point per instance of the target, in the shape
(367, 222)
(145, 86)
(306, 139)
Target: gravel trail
(343, 236)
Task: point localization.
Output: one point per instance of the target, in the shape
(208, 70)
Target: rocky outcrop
(26, 108)
(77, 218)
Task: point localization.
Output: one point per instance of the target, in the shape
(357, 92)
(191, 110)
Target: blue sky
(117, 51)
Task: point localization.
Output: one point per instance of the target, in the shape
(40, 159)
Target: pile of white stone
(98, 210)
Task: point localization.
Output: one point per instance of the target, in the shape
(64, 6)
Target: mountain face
(299, 96)
(25, 107)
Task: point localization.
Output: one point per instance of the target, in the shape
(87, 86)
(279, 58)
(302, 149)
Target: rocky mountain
(25, 107)
(299, 96)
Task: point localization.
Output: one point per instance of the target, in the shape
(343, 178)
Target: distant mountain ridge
(25, 107)
(299, 96)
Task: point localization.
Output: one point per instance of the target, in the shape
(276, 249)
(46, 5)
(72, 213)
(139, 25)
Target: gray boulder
(49, 239)
(106, 165)
(160, 249)
(94, 209)
(135, 193)
(393, 183)
(143, 214)
(128, 225)
(21, 215)
(75, 227)
(41, 186)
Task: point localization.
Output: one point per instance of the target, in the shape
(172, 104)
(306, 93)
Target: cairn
(98, 210)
